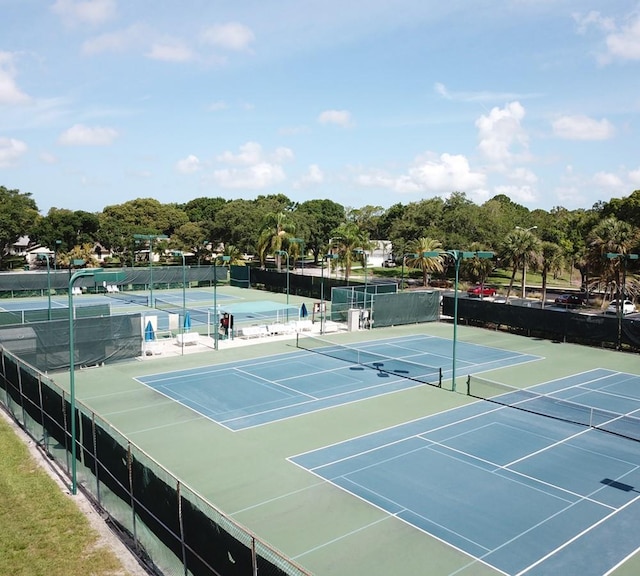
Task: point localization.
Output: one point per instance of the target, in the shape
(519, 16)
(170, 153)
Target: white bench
(188, 338)
(304, 325)
(253, 331)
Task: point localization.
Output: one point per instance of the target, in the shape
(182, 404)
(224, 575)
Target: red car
(481, 290)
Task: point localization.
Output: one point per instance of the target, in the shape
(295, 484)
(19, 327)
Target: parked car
(571, 300)
(481, 290)
(627, 307)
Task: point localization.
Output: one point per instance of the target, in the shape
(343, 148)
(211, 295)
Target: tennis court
(519, 491)
(322, 375)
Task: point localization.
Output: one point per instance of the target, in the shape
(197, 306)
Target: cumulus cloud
(634, 177)
(338, 117)
(81, 135)
(9, 91)
(625, 43)
(10, 151)
(118, 41)
(520, 194)
(582, 128)
(230, 36)
(93, 12)
(499, 132)
(622, 42)
(258, 176)
(170, 51)
(607, 180)
(252, 153)
(441, 174)
(189, 165)
(313, 176)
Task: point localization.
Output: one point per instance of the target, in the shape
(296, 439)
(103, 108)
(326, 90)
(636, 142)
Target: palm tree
(347, 239)
(275, 228)
(428, 264)
(519, 249)
(611, 236)
(550, 259)
(477, 269)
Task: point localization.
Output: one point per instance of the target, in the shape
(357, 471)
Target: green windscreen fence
(386, 306)
(45, 345)
(240, 277)
(8, 318)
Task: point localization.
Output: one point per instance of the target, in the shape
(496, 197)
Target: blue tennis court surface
(518, 491)
(243, 394)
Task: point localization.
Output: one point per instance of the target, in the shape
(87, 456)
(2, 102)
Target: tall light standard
(150, 238)
(325, 258)
(99, 275)
(46, 258)
(285, 253)
(216, 319)
(184, 293)
(524, 262)
(301, 242)
(621, 287)
(404, 261)
(457, 256)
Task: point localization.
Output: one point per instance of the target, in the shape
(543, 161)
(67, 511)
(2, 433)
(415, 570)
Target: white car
(626, 305)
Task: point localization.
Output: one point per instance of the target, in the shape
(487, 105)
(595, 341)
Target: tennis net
(129, 297)
(398, 367)
(196, 314)
(527, 400)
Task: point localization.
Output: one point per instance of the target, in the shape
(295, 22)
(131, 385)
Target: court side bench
(187, 338)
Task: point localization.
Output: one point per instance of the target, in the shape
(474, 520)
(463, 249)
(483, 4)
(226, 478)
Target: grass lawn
(42, 530)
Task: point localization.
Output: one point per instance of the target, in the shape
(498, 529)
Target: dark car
(481, 290)
(571, 300)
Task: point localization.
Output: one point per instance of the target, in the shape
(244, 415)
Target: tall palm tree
(611, 236)
(426, 263)
(477, 269)
(346, 239)
(550, 259)
(520, 248)
(276, 226)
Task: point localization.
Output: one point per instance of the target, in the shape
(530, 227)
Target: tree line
(548, 241)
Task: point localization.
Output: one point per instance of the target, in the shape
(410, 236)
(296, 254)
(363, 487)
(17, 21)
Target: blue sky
(363, 102)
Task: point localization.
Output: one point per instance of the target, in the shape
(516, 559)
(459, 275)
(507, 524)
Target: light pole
(457, 256)
(46, 257)
(622, 288)
(404, 260)
(324, 259)
(98, 275)
(216, 318)
(184, 293)
(285, 253)
(301, 242)
(150, 238)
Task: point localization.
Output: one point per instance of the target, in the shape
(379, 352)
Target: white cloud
(231, 36)
(634, 177)
(625, 43)
(499, 132)
(81, 135)
(479, 96)
(170, 51)
(9, 91)
(10, 151)
(258, 176)
(92, 12)
(189, 165)
(252, 153)
(582, 128)
(520, 194)
(313, 176)
(218, 105)
(117, 41)
(593, 18)
(338, 117)
(440, 175)
(607, 180)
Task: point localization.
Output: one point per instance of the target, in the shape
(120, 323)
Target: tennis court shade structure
(403, 368)
(625, 425)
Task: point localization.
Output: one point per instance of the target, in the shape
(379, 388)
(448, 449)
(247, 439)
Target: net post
(440, 377)
(468, 384)
(297, 339)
